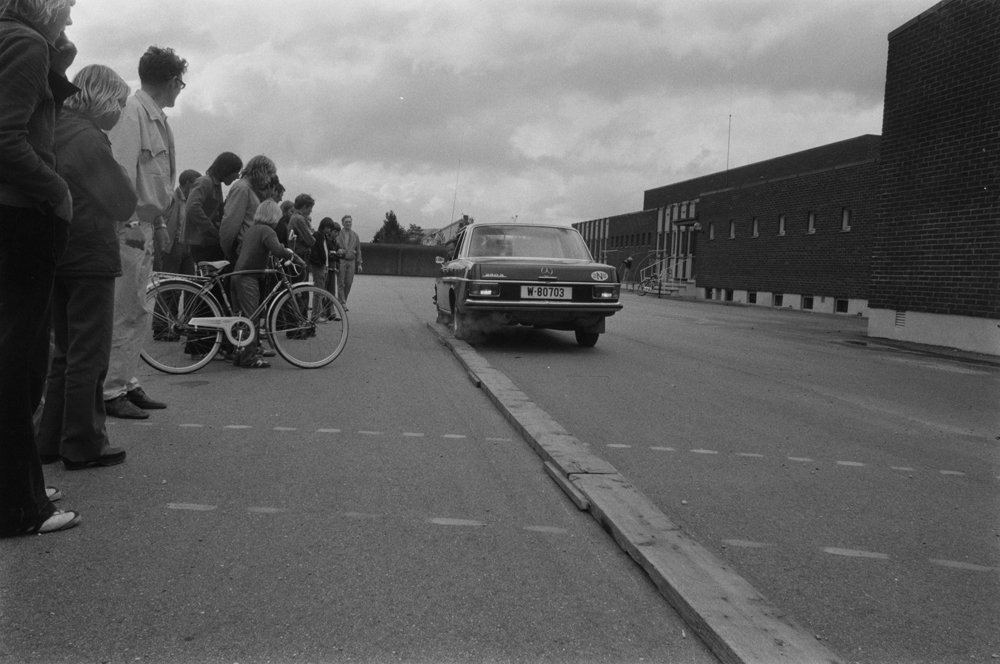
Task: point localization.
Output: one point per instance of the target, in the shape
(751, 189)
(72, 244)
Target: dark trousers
(30, 245)
(245, 293)
(82, 322)
(178, 260)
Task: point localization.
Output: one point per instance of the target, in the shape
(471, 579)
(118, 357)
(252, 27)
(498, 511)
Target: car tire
(587, 339)
(460, 325)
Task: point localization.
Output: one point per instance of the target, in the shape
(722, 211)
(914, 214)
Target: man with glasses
(144, 146)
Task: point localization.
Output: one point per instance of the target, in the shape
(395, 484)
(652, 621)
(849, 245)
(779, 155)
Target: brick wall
(936, 242)
(828, 262)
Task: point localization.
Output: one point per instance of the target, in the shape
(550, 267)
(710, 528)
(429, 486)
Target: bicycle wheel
(170, 344)
(308, 326)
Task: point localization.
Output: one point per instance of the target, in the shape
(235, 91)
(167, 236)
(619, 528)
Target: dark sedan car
(525, 274)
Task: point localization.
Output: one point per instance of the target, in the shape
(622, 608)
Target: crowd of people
(88, 210)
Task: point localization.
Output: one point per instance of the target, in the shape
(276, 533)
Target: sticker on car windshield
(546, 293)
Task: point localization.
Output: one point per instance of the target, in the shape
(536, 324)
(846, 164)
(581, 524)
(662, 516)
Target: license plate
(546, 293)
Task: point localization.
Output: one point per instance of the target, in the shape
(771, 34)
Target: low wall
(403, 260)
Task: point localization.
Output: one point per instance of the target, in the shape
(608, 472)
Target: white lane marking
(409, 434)
(905, 469)
(546, 529)
(192, 426)
(955, 564)
(453, 435)
(327, 430)
(191, 506)
(285, 429)
(745, 544)
(750, 455)
(663, 449)
(853, 464)
(853, 553)
(361, 515)
(457, 522)
(800, 459)
(704, 452)
(619, 446)
(957, 473)
(370, 433)
(265, 510)
(237, 426)
(142, 424)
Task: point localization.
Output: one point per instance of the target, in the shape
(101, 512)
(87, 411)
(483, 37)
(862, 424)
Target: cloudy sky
(550, 110)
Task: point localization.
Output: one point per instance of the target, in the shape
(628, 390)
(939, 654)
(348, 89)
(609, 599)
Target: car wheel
(586, 339)
(460, 325)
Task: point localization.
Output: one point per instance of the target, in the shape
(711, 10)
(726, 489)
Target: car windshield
(528, 242)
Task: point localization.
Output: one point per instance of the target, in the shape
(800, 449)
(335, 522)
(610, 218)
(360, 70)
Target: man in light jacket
(350, 259)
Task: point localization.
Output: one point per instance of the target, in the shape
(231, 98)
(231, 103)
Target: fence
(403, 260)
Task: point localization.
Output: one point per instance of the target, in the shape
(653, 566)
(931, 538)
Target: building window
(729, 295)
(779, 299)
(756, 227)
(781, 224)
(842, 306)
(691, 210)
(732, 229)
(812, 223)
(807, 302)
(845, 219)
(711, 231)
(684, 210)
(752, 297)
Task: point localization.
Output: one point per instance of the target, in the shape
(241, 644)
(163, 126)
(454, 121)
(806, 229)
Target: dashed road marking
(370, 433)
(800, 459)
(327, 430)
(285, 429)
(237, 426)
(410, 434)
(953, 472)
(750, 455)
(955, 564)
(663, 449)
(457, 522)
(905, 469)
(704, 452)
(191, 507)
(265, 510)
(745, 544)
(546, 529)
(619, 446)
(192, 426)
(143, 424)
(854, 553)
(852, 464)
(453, 436)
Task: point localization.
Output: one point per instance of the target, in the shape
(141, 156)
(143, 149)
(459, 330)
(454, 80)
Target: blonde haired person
(35, 211)
(259, 241)
(255, 185)
(72, 427)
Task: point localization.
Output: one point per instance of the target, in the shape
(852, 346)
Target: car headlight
(606, 292)
(484, 289)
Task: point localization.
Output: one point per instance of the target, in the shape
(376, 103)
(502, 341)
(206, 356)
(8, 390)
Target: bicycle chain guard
(240, 331)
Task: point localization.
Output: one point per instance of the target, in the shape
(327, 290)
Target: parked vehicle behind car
(541, 275)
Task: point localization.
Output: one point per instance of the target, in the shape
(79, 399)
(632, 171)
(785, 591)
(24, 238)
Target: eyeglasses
(183, 84)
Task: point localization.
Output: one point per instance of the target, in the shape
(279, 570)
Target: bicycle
(305, 324)
(647, 285)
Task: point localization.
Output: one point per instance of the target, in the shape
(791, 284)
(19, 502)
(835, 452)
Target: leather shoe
(140, 399)
(112, 456)
(123, 408)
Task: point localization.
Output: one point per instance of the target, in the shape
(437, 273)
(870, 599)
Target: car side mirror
(439, 260)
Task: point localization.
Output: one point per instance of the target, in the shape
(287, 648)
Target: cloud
(558, 110)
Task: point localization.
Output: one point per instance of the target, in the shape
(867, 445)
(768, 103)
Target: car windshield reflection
(527, 242)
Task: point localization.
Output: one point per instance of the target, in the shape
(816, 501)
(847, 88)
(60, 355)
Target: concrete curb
(728, 614)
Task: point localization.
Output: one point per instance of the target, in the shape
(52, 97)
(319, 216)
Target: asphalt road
(376, 510)
(857, 486)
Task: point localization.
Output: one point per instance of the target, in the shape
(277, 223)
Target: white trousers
(131, 316)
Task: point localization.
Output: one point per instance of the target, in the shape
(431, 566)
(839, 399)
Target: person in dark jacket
(203, 213)
(35, 211)
(324, 246)
(72, 427)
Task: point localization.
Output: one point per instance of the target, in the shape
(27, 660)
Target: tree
(415, 235)
(391, 232)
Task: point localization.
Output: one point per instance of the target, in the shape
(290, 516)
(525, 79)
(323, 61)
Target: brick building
(904, 229)
(936, 247)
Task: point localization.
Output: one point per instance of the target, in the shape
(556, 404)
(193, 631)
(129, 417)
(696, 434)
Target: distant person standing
(35, 213)
(176, 255)
(255, 185)
(203, 213)
(144, 146)
(350, 259)
(625, 269)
